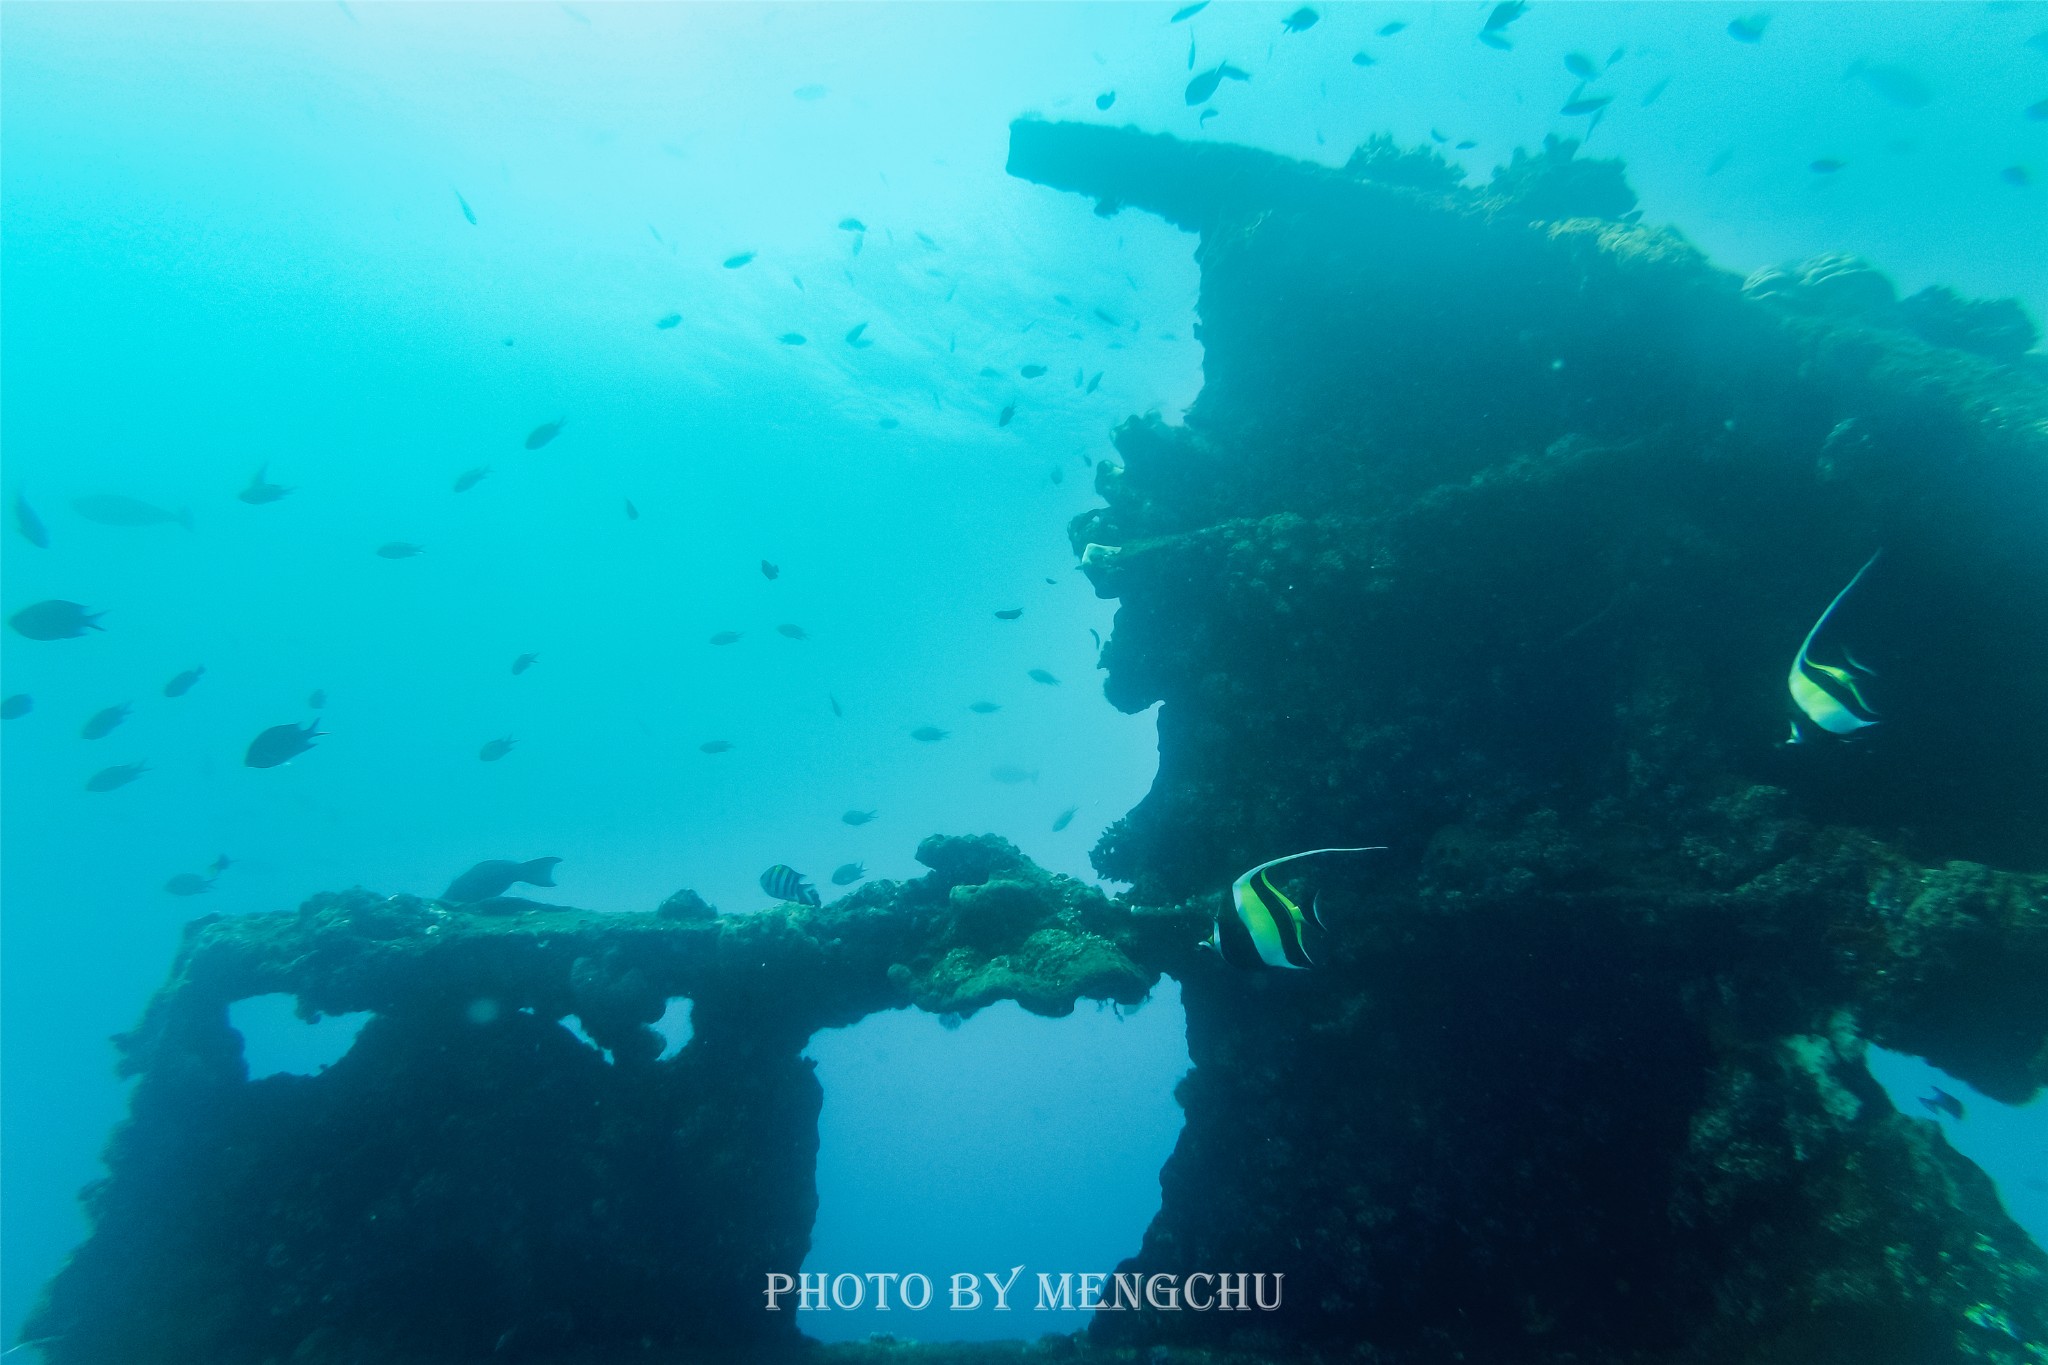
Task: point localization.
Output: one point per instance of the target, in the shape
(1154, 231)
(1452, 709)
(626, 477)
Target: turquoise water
(239, 239)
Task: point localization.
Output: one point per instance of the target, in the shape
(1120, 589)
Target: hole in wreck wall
(675, 1027)
(275, 1041)
(1005, 1140)
(2008, 1142)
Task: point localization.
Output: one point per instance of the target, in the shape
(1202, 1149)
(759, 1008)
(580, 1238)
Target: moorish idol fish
(1827, 695)
(785, 883)
(1267, 922)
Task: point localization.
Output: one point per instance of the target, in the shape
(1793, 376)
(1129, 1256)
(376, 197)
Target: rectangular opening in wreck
(981, 1145)
(277, 1040)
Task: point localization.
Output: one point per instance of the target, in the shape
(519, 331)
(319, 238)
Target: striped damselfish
(787, 884)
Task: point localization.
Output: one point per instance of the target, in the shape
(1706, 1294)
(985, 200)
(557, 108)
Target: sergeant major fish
(785, 883)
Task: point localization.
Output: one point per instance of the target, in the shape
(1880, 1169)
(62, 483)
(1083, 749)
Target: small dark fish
(467, 211)
(180, 685)
(1207, 114)
(545, 432)
(497, 876)
(857, 817)
(632, 512)
(1592, 104)
(855, 339)
(2017, 176)
(1188, 11)
(1009, 614)
(852, 225)
(808, 93)
(281, 744)
(1656, 88)
(846, 874)
(496, 749)
(735, 262)
(1749, 29)
(1191, 52)
(470, 478)
(1203, 87)
(669, 321)
(1105, 99)
(1941, 1102)
(188, 884)
(792, 338)
(1004, 417)
(787, 884)
(522, 663)
(398, 549)
(715, 746)
(1031, 371)
(17, 706)
(103, 723)
(55, 619)
(990, 372)
(1496, 40)
(113, 509)
(1093, 382)
(220, 864)
(29, 524)
(120, 775)
(1064, 818)
(790, 632)
(261, 490)
(983, 708)
(929, 734)
(316, 700)
(930, 245)
(1301, 20)
(1504, 13)
(1363, 59)
(1827, 165)
(1388, 30)
(770, 571)
(1580, 65)
(888, 423)
(1467, 145)
(726, 637)
(1039, 675)
(1096, 636)
(835, 706)
(1010, 774)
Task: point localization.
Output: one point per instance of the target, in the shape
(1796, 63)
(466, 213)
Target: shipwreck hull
(1489, 539)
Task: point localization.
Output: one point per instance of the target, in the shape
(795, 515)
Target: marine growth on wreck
(1600, 698)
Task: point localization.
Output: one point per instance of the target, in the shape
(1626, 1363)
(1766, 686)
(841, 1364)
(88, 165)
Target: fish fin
(1315, 908)
(539, 872)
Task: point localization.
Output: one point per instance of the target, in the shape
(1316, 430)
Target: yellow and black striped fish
(787, 884)
(1827, 695)
(1267, 929)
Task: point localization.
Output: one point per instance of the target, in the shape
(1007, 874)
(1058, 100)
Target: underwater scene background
(647, 436)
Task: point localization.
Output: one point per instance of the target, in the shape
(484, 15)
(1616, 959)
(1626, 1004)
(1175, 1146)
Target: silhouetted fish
(113, 509)
(55, 619)
(1039, 675)
(1749, 29)
(929, 734)
(857, 817)
(1827, 165)
(17, 706)
(1007, 415)
(523, 662)
(495, 749)
(790, 632)
(103, 722)
(470, 478)
(1031, 371)
(846, 874)
(852, 225)
(1202, 88)
(735, 262)
(668, 321)
(467, 211)
(726, 637)
(545, 432)
(1105, 99)
(1503, 14)
(1009, 614)
(715, 746)
(1592, 104)
(1064, 818)
(1941, 1102)
(281, 744)
(120, 775)
(632, 512)
(1301, 20)
(495, 877)
(792, 338)
(1580, 65)
(854, 337)
(1388, 30)
(1188, 11)
(983, 708)
(180, 685)
(770, 571)
(261, 490)
(29, 524)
